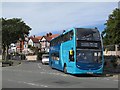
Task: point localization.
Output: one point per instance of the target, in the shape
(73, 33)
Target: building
(12, 48)
(22, 45)
(19, 46)
(42, 43)
(34, 42)
(45, 41)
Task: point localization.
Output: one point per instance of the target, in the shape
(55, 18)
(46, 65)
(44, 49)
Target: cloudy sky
(54, 17)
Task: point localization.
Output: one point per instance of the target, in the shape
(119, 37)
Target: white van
(45, 59)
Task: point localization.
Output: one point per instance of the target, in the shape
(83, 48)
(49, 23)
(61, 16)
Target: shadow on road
(93, 75)
(105, 74)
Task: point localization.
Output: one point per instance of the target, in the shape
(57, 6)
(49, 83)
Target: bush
(114, 65)
(112, 59)
(23, 57)
(10, 63)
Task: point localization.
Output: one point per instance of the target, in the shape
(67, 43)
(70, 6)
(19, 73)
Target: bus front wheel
(65, 69)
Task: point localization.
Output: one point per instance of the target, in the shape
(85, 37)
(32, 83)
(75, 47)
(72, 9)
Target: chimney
(47, 34)
(50, 33)
(33, 36)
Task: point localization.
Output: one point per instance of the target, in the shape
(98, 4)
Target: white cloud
(45, 17)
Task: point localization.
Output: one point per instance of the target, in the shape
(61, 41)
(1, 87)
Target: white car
(45, 59)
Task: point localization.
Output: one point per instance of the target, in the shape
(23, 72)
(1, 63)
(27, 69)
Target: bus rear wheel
(65, 69)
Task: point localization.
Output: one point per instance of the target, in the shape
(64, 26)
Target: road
(36, 75)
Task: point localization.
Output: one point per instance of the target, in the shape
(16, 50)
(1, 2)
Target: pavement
(36, 75)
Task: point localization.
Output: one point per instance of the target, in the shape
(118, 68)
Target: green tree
(12, 30)
(111, 34)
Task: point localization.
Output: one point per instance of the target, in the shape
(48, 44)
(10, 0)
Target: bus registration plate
(89, 72)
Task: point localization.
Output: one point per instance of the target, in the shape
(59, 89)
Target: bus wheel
(51, 65)
(65, 69)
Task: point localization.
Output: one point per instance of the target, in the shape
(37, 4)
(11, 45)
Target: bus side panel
(65, 48)
(55, 63)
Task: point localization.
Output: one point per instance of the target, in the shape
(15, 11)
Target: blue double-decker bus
(77, 51)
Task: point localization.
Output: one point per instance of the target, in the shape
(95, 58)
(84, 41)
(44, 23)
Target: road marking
(39, 66)
(105, 78)
(33, 84)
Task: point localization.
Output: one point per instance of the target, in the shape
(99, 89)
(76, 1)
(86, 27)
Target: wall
(108, 53)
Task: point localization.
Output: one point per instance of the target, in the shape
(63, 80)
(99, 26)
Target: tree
(12, 30)
(111, 34)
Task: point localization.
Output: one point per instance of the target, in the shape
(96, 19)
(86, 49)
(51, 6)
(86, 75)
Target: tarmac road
(36, 75)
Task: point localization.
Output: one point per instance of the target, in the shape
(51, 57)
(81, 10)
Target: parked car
(45, 59)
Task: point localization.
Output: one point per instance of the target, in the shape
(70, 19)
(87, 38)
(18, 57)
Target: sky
(44, 17)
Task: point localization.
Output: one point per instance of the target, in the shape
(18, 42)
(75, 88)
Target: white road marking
(39, 66)
(33, 84)
(105, 78)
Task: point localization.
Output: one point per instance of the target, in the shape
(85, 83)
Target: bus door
(71, 58)
(71, 55)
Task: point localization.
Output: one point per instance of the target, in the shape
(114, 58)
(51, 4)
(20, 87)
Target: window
(55, 56)
(87, 34)
(88, 56)
(63, 38)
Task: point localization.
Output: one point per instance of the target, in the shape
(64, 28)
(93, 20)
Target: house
(38, 37)
(12, 48)
(34, 42)
(25, 46)
(22, 46)
(19, 46)
(40, 42)
(45, 41)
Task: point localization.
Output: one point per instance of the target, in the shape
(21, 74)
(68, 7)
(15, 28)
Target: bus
(77, 51)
